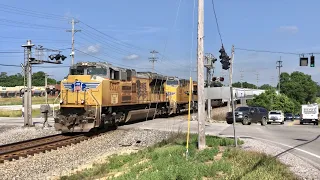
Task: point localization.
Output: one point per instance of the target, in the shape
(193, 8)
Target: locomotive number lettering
(114, 86)
(114, 98)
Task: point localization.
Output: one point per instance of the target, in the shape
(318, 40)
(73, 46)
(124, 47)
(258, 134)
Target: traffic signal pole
(230, 76)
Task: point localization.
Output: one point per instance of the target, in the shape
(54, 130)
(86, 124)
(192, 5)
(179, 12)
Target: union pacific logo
(80, 86)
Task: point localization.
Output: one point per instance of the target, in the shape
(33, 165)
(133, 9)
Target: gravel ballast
(63, 160)
(15, 134)
(298, 166)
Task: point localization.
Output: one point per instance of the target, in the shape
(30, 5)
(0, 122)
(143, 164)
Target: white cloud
(289, 29)
(93, 49)
(131, 57)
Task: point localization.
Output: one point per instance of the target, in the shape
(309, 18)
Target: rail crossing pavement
(18, 107)
(19, 121)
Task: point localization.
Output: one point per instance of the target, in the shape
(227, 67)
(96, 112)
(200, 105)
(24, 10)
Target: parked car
(247, 115)
(297, 117)
(288, 116)
(275, 116)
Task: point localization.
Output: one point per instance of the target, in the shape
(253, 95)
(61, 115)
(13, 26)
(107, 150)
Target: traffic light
(225, 59)
(312, 61)
(303, 61)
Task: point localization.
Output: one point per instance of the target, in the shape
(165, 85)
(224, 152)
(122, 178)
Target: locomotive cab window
(172, 82)
(97, 71)
(77, 71)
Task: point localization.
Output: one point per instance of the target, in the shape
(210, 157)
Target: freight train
(99, 95)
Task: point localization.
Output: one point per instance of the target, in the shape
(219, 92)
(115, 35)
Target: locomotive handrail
(97, 103)
(53, 114)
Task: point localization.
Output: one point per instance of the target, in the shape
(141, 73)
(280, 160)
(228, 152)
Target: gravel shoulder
(11, 134)
(301, 168)
(63, 161)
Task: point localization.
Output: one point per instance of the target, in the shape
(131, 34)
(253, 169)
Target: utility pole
(209, 65)
(241, 82)
(27, 92)
(279, 66)
(230, 77)
(46, 86)
(73, 31)
(153, 59)
(257, 74)
(201, 100)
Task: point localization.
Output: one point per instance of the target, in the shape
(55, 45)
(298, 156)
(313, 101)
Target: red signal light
(214, 79)
(221, 78)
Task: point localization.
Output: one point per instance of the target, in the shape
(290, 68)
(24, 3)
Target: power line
(215, 15)
(266, 51)
(111, 62)
(10, 52)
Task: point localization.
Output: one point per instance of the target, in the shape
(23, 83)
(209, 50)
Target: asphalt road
(18, 107)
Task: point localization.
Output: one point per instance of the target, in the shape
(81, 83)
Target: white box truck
(309, 113)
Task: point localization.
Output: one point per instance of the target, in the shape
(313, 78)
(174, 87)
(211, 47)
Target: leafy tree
(18, 80)
(272, 101)
(299, 86)
(244, 85)
(266, 87)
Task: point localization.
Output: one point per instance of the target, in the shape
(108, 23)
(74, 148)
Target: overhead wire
(266, 51)
(165, 47)
(217, 23)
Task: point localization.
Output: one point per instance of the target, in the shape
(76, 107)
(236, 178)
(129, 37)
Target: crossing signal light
(312, 61)
(221, 79)
(57, 57)
(214, 79)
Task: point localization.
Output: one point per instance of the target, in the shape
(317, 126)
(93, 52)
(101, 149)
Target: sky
(123, 33)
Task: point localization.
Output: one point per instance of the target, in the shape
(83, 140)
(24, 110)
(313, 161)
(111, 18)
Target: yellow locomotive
(99, 95)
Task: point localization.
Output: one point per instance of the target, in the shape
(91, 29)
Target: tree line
(296, 89)
(38, 79)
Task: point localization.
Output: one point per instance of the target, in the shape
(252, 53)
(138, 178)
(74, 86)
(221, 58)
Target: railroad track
(16, 150)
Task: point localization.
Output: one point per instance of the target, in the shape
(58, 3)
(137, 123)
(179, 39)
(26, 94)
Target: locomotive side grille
(126, 88)
(126, 99)
(134, 87)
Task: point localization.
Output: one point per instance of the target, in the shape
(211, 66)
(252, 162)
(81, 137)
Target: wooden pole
(201, 99)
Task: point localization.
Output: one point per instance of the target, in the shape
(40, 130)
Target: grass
(17, 113)
(18, 101)
(166, 160)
